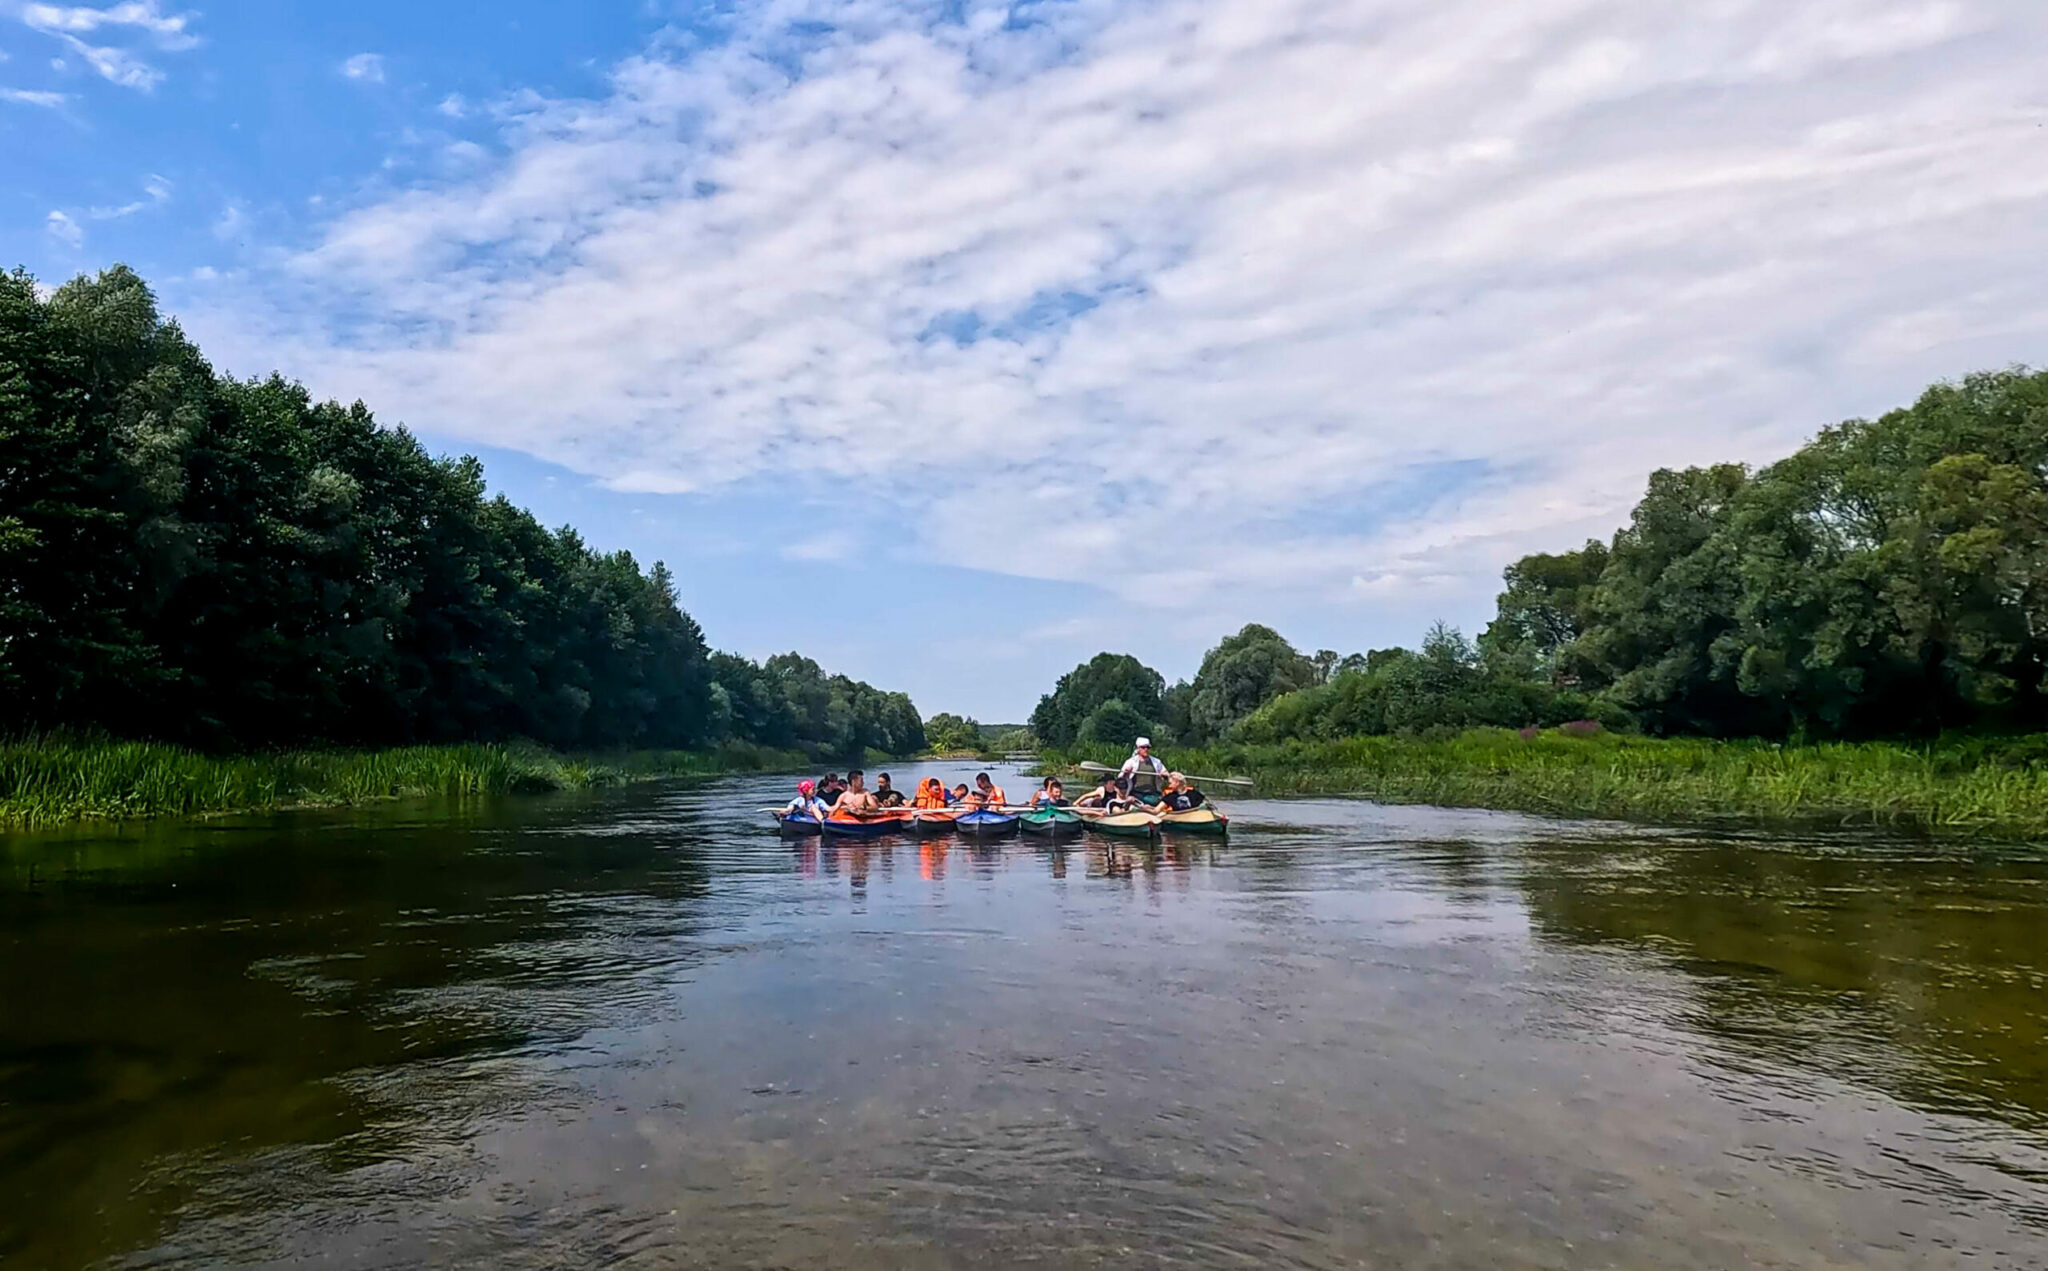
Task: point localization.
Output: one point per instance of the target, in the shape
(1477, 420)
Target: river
(633, 1028)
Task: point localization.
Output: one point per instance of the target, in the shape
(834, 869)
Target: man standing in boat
(1142, 773)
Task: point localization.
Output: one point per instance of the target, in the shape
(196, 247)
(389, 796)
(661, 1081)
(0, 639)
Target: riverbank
(1970, 787)
(54, 780)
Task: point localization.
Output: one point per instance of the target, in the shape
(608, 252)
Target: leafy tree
(1083, 690)
(946, 732)
(1115, 722)
(1241, 674)
(231, 564)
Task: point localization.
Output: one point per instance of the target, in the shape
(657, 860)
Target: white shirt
(1138, 761)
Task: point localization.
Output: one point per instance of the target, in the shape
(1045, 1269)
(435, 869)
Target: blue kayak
(986, 824)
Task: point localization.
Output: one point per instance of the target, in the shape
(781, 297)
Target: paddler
(1142, 773)
(931, 793)
(806, 802)
(886, 795)
(1108, 796)
(992, 795)
(856, 799)
(1180, 795)
(1050, 795)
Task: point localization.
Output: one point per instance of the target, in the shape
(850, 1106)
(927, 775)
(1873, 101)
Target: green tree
(1241, 674)
(1079, 693)
(1114, 722)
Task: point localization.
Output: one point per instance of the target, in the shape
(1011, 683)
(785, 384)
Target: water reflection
(637, 1028)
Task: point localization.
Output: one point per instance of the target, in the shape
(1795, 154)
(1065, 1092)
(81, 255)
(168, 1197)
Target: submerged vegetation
(48, 780)
(1957, 786)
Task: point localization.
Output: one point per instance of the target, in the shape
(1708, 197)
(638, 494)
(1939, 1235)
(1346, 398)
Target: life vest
(930, 794)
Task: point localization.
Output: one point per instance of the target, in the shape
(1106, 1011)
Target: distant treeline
(1890, 579)
(232, 565)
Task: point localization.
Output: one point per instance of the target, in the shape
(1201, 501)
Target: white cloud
(64, 229)
(1368, 296)
(170, 32)
(33, 97)
(156, 191)
(453, 106)
(367, 67)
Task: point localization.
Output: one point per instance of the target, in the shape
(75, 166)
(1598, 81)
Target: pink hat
(804, 787)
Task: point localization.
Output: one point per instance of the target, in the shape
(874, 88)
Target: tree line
(1889, 579)
(229, 564)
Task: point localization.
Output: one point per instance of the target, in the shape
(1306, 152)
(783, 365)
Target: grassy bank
(1988, 788)
(50, 780)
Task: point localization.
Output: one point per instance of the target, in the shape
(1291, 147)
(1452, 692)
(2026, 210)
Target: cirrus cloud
(1364, 297)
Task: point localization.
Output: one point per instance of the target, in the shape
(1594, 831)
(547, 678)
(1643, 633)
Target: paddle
(1221, 781)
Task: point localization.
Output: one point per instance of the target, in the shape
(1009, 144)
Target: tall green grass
(48, 780)
(1976, 787)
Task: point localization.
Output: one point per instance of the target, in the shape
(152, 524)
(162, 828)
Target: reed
(46, 780)
(1964, 787)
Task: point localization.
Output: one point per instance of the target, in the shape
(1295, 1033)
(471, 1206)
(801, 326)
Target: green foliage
(53, 779)
(948, 734)
(789, 702)
(1962, 786)
(1238, 676)
(1113, 723)
(1082, 691)
(1447, 685)
(1891, 578)
(231, 565)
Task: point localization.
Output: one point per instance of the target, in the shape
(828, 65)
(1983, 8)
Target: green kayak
(1050, 821)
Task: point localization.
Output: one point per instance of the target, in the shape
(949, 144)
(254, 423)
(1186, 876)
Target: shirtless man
(857, 800)
(992, 795)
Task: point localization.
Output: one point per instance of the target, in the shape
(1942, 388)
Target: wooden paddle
(1221, 781)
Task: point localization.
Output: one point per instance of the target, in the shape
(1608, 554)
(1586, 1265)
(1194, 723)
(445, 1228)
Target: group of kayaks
(1056, 822)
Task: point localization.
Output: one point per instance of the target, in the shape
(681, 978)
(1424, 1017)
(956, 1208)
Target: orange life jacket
(930, 794)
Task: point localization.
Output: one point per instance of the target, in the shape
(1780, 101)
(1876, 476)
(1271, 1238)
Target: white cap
(1144, 741)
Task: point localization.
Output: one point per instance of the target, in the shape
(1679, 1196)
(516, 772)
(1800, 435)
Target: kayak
(933, 820)
(1130, 824)
(866, 827)
(986, 824)
(1202, 820)
(795, 826)
(1051, 821)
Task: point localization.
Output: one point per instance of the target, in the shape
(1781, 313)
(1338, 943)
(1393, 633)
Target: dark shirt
(890, 798)
(1183, 800)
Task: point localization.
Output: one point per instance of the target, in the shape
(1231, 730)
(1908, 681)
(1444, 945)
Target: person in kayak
(1142, 773)
(806, 802)
(1180, 795)
(856, 799)
(1109, 796)
(830, 787)
(961, 794)
(887, 795)
(931, 793)
(1050, 795)
(992, 795)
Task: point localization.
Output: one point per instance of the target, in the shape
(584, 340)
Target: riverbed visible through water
(634, 1028)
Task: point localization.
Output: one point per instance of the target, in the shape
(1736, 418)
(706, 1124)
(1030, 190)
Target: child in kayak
(1180, 795)
(1050, 795)
(992, 795)
(1109, 796)
(806, 803)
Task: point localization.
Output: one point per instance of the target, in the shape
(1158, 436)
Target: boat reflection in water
(632, 1028)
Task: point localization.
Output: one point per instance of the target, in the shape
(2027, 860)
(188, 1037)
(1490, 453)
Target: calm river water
(635, 1029)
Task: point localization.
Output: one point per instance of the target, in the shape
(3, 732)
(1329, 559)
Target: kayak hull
(1203, 820)
(865, 827)
(1138, 825)
(1056, 822)
(931, 822)
(795, 827)
(986, 824)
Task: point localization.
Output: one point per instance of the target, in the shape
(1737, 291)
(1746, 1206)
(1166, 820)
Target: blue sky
(952, 342)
